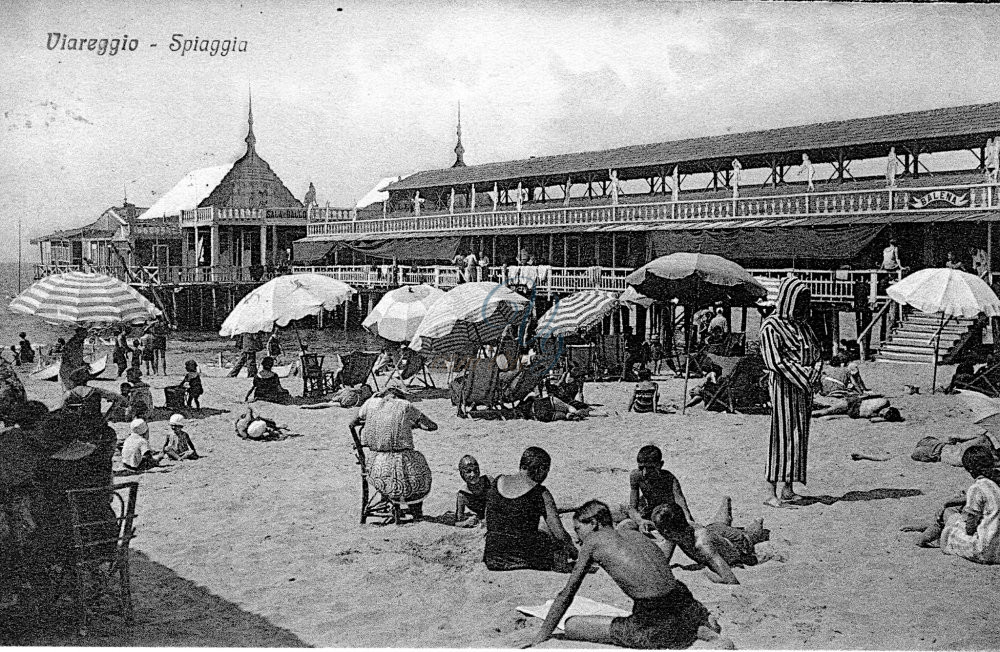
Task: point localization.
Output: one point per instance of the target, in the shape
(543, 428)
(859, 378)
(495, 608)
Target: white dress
(983, 546)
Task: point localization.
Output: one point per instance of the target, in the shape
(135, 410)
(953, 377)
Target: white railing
(963, 197)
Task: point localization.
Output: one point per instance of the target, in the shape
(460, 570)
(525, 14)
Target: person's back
(654, 490)
(645, 396)
(728, 542)
(982, 545)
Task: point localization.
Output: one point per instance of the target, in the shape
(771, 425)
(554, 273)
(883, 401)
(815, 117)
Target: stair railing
(861, 336)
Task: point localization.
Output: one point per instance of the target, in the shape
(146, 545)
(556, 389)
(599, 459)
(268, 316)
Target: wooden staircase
(910, 342)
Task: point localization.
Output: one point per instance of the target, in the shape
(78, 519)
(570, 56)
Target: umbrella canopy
(576, 313)
(467, 317)
(284, 299)
(696, 277)
(947, 291)
(631, 295)
(84, 299)
(396, 316)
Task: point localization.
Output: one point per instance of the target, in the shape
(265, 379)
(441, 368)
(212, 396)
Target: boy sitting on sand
(651, 486)
(719, 545)
(136, 454)
(179, 445)
(665, 614)
(473, 496)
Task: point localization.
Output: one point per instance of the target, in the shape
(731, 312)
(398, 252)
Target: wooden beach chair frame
(358, 367)
(314, 380)
(981, 382)
(374, 504)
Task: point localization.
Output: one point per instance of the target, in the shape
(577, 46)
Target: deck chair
(732, 344)
(314, 381)
(581, 356)
(985, 381)
(373, 503)
(480, 385)
(358, 367)
(527, 380)
(412, 366)
(102, 526)
(740, 385)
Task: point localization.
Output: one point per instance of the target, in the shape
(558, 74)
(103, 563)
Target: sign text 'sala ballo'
(938, 197)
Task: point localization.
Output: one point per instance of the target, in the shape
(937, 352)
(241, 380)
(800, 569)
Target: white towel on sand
(580, 607)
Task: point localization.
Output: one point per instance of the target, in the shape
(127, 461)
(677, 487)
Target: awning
(768, 243)
(307, 251)
(413, 248)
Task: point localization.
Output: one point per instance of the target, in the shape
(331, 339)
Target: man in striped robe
(792, 357)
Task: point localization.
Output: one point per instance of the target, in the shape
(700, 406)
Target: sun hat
(177, 420)
(257, 429)
(139, 427)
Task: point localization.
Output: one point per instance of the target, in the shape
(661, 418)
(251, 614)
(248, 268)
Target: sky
(344, 94)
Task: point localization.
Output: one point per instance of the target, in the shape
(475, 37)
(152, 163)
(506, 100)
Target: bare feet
(776, 502)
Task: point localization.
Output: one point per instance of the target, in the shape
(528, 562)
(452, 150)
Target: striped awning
(84, 299)
(467, 317)
(576, 313)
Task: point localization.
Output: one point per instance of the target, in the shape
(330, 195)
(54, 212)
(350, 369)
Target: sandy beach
(258, 544)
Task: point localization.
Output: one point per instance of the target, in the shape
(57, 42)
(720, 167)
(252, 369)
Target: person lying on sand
(875, 409)
(515, 505)
(258, 428)
(651, 485)
(969, 526)
(950, 451)
(841, 378)
(473, 495)
(345, 397)
(718, 546)
(664, 616)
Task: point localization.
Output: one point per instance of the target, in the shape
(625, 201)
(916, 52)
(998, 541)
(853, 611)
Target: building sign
(939, 197)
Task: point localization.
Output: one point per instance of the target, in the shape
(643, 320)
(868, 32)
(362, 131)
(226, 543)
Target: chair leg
(125, 589)
(80, 589)
(364, 499)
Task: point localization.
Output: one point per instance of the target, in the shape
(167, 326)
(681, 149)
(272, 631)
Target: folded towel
(580, 607)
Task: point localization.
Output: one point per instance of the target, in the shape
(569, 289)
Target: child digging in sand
(473, 496)
(719, 545)
(665, 614)
(136, 454)
(651, 486)
(179, 445)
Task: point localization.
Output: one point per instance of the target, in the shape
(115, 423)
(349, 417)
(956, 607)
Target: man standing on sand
(664, 616)
(72, 358)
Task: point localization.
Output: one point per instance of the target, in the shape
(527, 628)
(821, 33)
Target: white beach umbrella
(285, 299)
(948, 292)
(398, 314)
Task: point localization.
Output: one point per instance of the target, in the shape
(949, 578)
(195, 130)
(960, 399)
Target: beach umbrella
(633, 296)
(396, 316)
(285, 299)
(467, 317)
(84, 299)
(576, 313)
(692, 277)
(696, 279)
(948, 292)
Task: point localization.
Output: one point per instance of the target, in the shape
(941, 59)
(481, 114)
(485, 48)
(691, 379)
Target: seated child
(267, 385)
(140, 397)
(646, 395)
(192, 379)
(136, 454)
(974, 531)
(719, 545)
(664, 616)
(178, 445)
(650, 486)
(950, 451)
(473, 496)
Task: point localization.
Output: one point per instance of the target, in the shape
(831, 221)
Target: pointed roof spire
(459, 150)
(251, 140)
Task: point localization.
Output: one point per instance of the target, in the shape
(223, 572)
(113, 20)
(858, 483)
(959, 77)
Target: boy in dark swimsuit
(651, 486)
(718, 546)
(665, 614)
(473, 496)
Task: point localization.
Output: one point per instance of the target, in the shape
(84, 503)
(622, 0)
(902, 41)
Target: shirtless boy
(665, 615)
(473, 495)
(651, 486)
(719, 545)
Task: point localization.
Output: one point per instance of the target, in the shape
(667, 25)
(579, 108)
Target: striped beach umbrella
(84, 299)
(285, 299)
(576, 313)
(467, 317)
(396, 316)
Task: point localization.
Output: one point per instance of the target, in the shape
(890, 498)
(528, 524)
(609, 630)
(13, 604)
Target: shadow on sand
(854, 496)
(169, 611)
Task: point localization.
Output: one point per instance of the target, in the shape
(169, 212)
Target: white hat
(139, 427)
(257, 429)
(177, 420)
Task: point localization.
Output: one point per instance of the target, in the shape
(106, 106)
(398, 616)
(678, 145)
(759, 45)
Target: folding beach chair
(374, 504)
(358, 368)
(313, 379)
(527, 379)
(739, 385)
(411, 366)
(985, 381)
(480, 386)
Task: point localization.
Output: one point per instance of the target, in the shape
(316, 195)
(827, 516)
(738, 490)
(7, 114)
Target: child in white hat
(136, 454)
(179, 445)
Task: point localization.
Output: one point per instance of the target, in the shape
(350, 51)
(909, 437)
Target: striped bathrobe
(790, 349)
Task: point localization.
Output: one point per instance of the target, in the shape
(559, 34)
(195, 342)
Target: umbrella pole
(937, 345)
(687, 367)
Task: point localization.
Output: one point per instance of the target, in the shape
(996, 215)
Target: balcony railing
(963, 197)
(210, 215)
